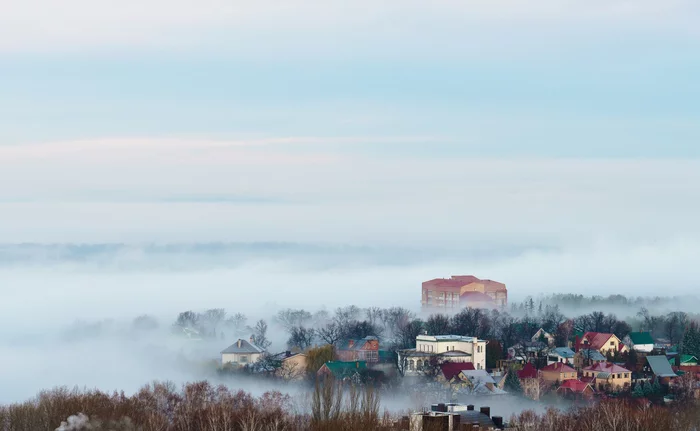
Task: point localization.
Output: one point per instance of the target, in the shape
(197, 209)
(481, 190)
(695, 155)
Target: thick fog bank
(66, 311)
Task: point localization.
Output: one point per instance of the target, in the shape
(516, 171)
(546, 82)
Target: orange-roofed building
(462, 291)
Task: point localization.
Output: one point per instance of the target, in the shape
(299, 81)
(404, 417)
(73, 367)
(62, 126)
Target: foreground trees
(196, 406)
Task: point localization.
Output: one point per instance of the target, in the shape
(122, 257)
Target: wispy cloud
(52, 25)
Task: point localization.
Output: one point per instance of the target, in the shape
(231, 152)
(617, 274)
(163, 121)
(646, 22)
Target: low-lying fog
(67, 311)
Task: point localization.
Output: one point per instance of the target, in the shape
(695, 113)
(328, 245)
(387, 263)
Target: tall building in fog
(460, 291)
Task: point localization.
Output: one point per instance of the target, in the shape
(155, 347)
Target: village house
(342, 370)
(576, 389)
(558, 372)
(365, 349)
(602, 342)
(544, 336)
(293, 365)
(529, 381)
(528, 351)
(449, 372)
(641, 342)
(479, 382)
(561, 354)
(241, 353)
(606, 376)
(587, 357)
(437, 349)
(660, 368)
(462, 291)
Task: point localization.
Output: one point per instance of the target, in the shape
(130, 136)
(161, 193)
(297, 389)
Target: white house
(241, 353)
(640, 341)
(442, 348)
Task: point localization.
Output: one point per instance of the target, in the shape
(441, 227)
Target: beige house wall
(555, 376)
(239, 359)
(293, 368)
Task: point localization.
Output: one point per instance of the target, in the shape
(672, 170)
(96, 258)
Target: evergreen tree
(512, 383)
(648, 389)
(656, 387)
(638, 391)
(691, 340)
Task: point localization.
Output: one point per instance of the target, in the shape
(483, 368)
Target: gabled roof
(592, 354)
(575, 385)
(528, 372)
(596, 340)
(243, 346)
(688, 359)
(452, 369)
(660, 366)
(609, 367)
(478, 376)
(641, 338)
(559, 367)
(563, 352)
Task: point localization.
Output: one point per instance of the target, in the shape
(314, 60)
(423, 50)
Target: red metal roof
(596, 340)
(559, 367)
(528, 372)
(574, 385)
(451, 369)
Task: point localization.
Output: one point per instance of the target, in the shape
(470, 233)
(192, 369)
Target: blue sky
(271, 119)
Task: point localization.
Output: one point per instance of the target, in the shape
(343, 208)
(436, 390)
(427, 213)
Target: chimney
(498, 421)
(486, 411)
(239, 343)
(251, 339)
(357, 364)
(288, 353)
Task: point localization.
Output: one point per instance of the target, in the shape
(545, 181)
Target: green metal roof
(641, 338)
(345, 369)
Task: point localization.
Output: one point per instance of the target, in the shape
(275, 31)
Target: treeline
(572, 301)
(398, 327)
(197, 407)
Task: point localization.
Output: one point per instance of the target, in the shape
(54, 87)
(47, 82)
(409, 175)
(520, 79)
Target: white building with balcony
(433, 350)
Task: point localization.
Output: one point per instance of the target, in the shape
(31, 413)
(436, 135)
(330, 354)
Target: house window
(612, 343)
(410, 364)
(627, 375)
(243, 359)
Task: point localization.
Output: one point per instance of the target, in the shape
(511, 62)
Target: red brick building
(460, 291)
(366, 349)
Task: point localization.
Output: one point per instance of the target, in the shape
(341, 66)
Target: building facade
(460, 291)
(436, 349)
(365, 349)
(241, 353)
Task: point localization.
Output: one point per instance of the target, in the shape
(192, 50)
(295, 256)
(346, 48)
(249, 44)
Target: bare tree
(260, 335)
(330, 333)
